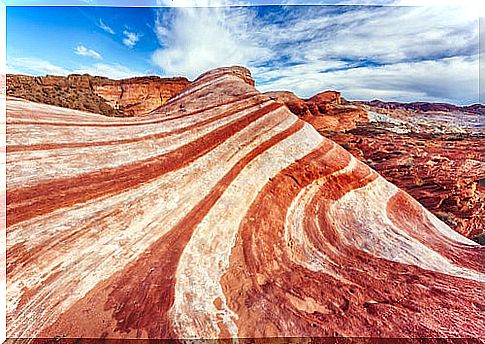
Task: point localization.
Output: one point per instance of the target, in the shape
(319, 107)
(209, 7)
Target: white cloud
(36, 66)
(384, 35)
(131, 38)
(195, 40)
(452, 80)
(112, 71)
(309, 49)
(83, 51)
(210, 3)
(33, 66)
(105, 27)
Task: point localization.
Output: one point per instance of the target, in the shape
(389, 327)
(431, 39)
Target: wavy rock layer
(221, 215)
(442, 172)
(432, 151)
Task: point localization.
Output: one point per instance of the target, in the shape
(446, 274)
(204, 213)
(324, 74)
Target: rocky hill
(325, 111)
(128, 97)
(221, 214)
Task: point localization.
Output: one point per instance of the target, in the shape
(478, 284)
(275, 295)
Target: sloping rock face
(222, 214)
(128, 97)
(432, 151)
(442, 172)
(325, 111)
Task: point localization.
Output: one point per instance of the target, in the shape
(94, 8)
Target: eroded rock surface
(127, 97)
(222, 214)
(325, 111)
(442, 172)
(433, 151)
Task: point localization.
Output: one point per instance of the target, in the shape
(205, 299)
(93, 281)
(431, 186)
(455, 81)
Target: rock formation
(432, 151)
(441, 171)
(425, 107)
(128, 97)
(141, 95)
(221, 214)
(325, 111)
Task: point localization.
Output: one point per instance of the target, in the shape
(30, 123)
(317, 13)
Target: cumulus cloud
(105, 27)
(194, 40)
(131, 38)
(83, 51)
(210, 3)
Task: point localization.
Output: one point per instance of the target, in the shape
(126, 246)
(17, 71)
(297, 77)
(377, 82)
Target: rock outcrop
(221, 214)
(127, 97)
(139, 96)
(442, 172)
(432, 151)
(325, 111)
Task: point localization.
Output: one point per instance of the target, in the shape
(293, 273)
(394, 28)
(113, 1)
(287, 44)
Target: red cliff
(128, 97)
(139, 96)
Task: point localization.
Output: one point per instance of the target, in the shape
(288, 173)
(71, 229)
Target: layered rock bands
(221, 214)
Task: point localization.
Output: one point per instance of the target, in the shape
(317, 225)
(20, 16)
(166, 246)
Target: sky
(394, 53)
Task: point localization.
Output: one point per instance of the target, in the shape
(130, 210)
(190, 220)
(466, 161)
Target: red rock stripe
(194, 89)
(48, 146)
(466, 256)
(27, 202)
(144, 293)
(128, 124)
(268, 290)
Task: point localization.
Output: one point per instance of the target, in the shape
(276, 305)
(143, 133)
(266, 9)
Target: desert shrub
(447, 218)
(345, 146)
(408, 163)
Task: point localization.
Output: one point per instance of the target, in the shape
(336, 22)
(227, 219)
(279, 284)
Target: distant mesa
(425, 107)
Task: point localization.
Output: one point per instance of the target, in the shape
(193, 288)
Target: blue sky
(400, 53)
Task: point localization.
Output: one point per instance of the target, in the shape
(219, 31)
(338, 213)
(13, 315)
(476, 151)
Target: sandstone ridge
(433, 151)
(219, 215)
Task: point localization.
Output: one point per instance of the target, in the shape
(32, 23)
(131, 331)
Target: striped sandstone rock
(219, 215)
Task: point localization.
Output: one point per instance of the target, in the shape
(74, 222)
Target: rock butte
(221, 214)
